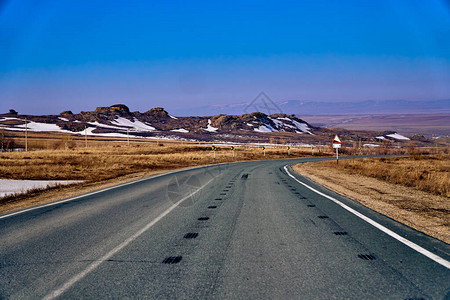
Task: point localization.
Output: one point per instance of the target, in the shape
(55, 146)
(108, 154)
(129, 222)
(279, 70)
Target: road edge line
(377, 225)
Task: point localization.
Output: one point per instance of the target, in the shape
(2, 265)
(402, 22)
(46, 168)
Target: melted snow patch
(248, 124)
(263, 128)
(63, 119)
(9, 187)
(380, 137)
(398, 137)
(210, 128)
(180, 130)
(301, 126)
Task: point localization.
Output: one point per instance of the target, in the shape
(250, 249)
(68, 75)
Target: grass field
(113, 162)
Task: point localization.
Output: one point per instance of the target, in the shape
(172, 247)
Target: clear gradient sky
(60, 55)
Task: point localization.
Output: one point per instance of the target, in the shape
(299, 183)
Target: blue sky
(77, 55)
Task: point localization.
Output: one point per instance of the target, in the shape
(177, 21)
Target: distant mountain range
(303, 108)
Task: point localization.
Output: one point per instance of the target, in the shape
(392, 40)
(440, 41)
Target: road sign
(214, 148)
(337, 144)
(232, 148)
(336, 140)
(289, 147)
(263, 147)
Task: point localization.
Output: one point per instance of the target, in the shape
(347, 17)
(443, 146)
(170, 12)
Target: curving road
(248, 230)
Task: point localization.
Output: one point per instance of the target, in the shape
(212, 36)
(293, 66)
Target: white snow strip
(210, 128)
(97, 124)
(135, 124)
(63, 119)
(248, 124)
(380, 137)
(180, 130)
(90, 132)
(10, 187)
(398, 137)
(380, 227)
(371, 145)
(8, 118)
(173, 117)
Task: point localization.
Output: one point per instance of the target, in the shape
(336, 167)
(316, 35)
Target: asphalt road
(237, 231)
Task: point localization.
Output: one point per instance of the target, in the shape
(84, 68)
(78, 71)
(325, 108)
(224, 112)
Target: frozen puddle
(8, 187)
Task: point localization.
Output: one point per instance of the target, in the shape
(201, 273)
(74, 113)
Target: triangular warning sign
(336, 140)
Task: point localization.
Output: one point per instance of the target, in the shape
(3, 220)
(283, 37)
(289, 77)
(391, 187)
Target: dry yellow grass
(420, 201)
(108, 161)
(100, 163)
(429, 173)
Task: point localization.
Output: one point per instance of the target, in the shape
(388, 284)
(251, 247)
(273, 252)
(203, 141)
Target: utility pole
(85, 136)
(26, 135)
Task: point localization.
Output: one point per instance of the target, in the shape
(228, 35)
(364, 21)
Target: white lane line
(401, 239)
(108, 255)
(97, 192)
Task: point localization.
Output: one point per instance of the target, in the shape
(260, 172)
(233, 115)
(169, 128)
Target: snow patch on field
(371, 145)
(10, 187)
(173, 117)
(63, 119)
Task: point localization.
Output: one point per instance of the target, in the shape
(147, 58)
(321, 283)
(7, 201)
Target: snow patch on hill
(263, 128)
(398, 136)
(210, 128)
(180, 130)
(135, 125)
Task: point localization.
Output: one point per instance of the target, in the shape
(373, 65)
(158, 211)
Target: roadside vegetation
(413, 190)
(429, 173)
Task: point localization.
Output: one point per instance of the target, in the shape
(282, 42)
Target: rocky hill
(118, 121)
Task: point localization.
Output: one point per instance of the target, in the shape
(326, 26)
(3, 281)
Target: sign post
(232, 150)
(289, 150)
(264, 150)
(214, 151)
(337, 143)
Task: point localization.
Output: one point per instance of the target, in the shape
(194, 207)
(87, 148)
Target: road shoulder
(420, 210)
